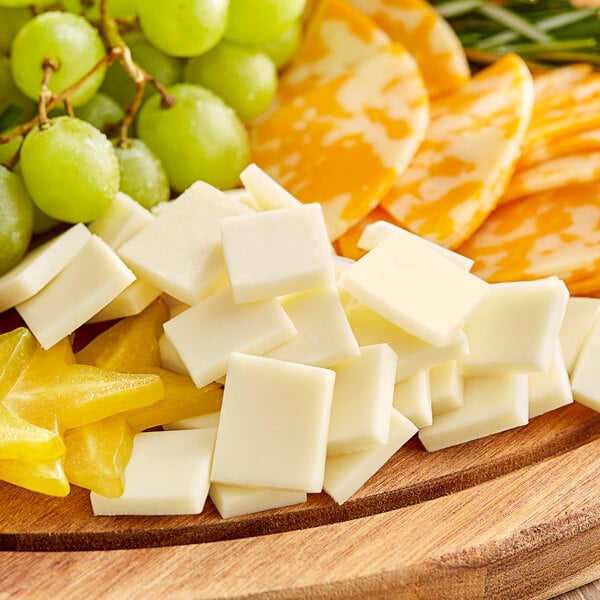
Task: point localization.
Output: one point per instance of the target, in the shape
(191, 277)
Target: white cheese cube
(446, 385)
(131, 301)
(578, 321)
(40, 266)
(490, 405)
(376, 232)
(515, 329)
(180, 251)
(345, 474)
(362, 400)
(412, 397)
(414, 355)
(415, 287)
(169, 358)
(121, 221)
(324, 335)
(274, 423)
(552, 389)
(205, 334)
(267, 193)
(585, 375)
(234, 500)
(278, 252)
(340, 264)
(167, 474)
(207, 421)
(243, 196)
(93, 278)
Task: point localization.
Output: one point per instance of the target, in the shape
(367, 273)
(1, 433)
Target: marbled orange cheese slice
(427, 36)
(551, 233)
(556, 173)
(337, 37)
(549, 83)
(344, 143)
(468, 155)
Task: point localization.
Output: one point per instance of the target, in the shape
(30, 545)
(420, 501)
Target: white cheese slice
(169, 358)
(206, 421)
(446, 385)
(277, 252)
(490, 405)
(205, 334)
(578, 321)
(265, 191)
(412, 397)
(180, 251)
(40, 266)
(273, 426)
(123, 219)
(131, 301)
(93, 277)
(376, 232)
(324, 335)
(362, 400)
(167, 474)
(346, 473)
(234, 501)
(515, 329)
(415, 287)
(243, 196)
(552, 389)
(414, 355)
(585, 375)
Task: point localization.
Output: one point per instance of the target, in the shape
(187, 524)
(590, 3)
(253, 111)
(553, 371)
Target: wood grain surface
(516, 515)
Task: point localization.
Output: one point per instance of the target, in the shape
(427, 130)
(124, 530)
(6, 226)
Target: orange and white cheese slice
(551, 233)
(337, 37)
(427, 36)
(549, 83)
(468, 155)
(344, 143)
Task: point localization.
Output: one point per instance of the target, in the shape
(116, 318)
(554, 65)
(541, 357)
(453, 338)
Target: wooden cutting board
(516, 515)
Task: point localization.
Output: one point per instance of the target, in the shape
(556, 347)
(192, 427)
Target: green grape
(142, 175)
(168, 70)
(73, 45)
(121, 9)
(102, 111)
(200, 137)
(282, 49)
(11, 95)
(246, 79)
(70, 170)
(11, 20)
(184, 28)
(16, 219)
(258, 21)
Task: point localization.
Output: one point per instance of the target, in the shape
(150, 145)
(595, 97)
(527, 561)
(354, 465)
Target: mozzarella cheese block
(265, 191)
(446, 386)
(277, 252)
(180, 251)
(40, 266)
(414, 355)
(206, 421)
(324, 336)
(362, 400)
(490, 405)
(515, 329)
(584, 377)
(551, 389)
(205, 334)
(376, 232)
(167, 474)
(412, 397)
(121, 221)
(131, 301)
(414, 287)
(93, 277)
(234, 500)
(346, 473)
(577, 323)
(274, 423)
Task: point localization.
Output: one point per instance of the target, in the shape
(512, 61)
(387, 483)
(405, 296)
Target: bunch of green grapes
(141, 97)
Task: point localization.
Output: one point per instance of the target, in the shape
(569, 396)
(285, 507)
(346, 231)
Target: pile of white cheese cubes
(329, 366)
